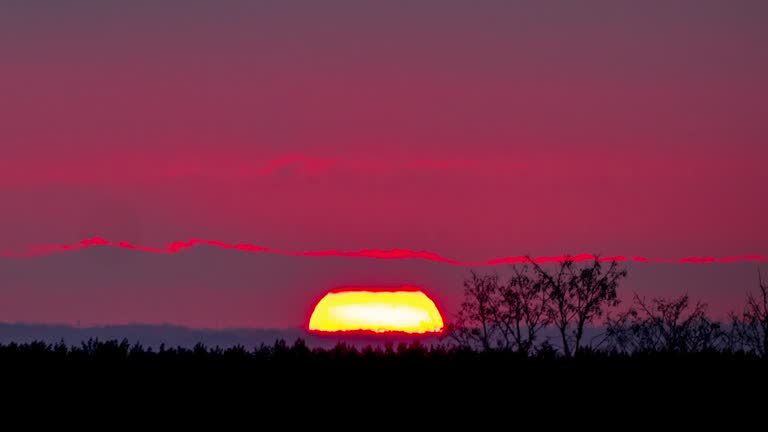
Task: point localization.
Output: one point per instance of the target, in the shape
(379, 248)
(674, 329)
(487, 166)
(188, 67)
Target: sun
(406, 310)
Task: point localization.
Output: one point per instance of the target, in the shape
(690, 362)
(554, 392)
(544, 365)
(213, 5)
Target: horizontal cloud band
(178, 246)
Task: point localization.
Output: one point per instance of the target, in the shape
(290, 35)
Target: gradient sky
(472, 129)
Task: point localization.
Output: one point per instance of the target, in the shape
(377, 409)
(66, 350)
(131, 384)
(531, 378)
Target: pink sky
(497, 129)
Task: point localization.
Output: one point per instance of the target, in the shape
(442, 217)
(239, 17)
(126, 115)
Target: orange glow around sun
(376, 311)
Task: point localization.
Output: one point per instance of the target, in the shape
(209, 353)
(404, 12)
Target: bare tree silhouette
(750, 330)
(525, 302)
(501, 316)
(510, 316)
(579, 295)
(475, 323)
(663, 325)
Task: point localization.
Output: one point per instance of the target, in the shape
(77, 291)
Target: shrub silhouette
(664, 325)
(750, 328)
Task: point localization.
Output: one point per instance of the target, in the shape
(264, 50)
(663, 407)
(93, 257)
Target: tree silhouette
(578, 295)
(475, 324)
(663, 325)
(525, 302)
(510, 316)
(501, 316)
(751, 328)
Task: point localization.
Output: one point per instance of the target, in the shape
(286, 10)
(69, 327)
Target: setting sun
(408, 311)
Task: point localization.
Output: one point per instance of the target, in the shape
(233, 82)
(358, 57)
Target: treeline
(113, 352)
(570, 297)
(385, 376)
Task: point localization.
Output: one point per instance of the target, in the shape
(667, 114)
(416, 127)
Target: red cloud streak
(179, 246)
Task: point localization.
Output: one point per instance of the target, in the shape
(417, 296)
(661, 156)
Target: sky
(470, 129)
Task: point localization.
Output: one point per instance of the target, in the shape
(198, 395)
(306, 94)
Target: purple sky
(470, 129)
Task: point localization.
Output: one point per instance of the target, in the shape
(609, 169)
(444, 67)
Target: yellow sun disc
(376, 311)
